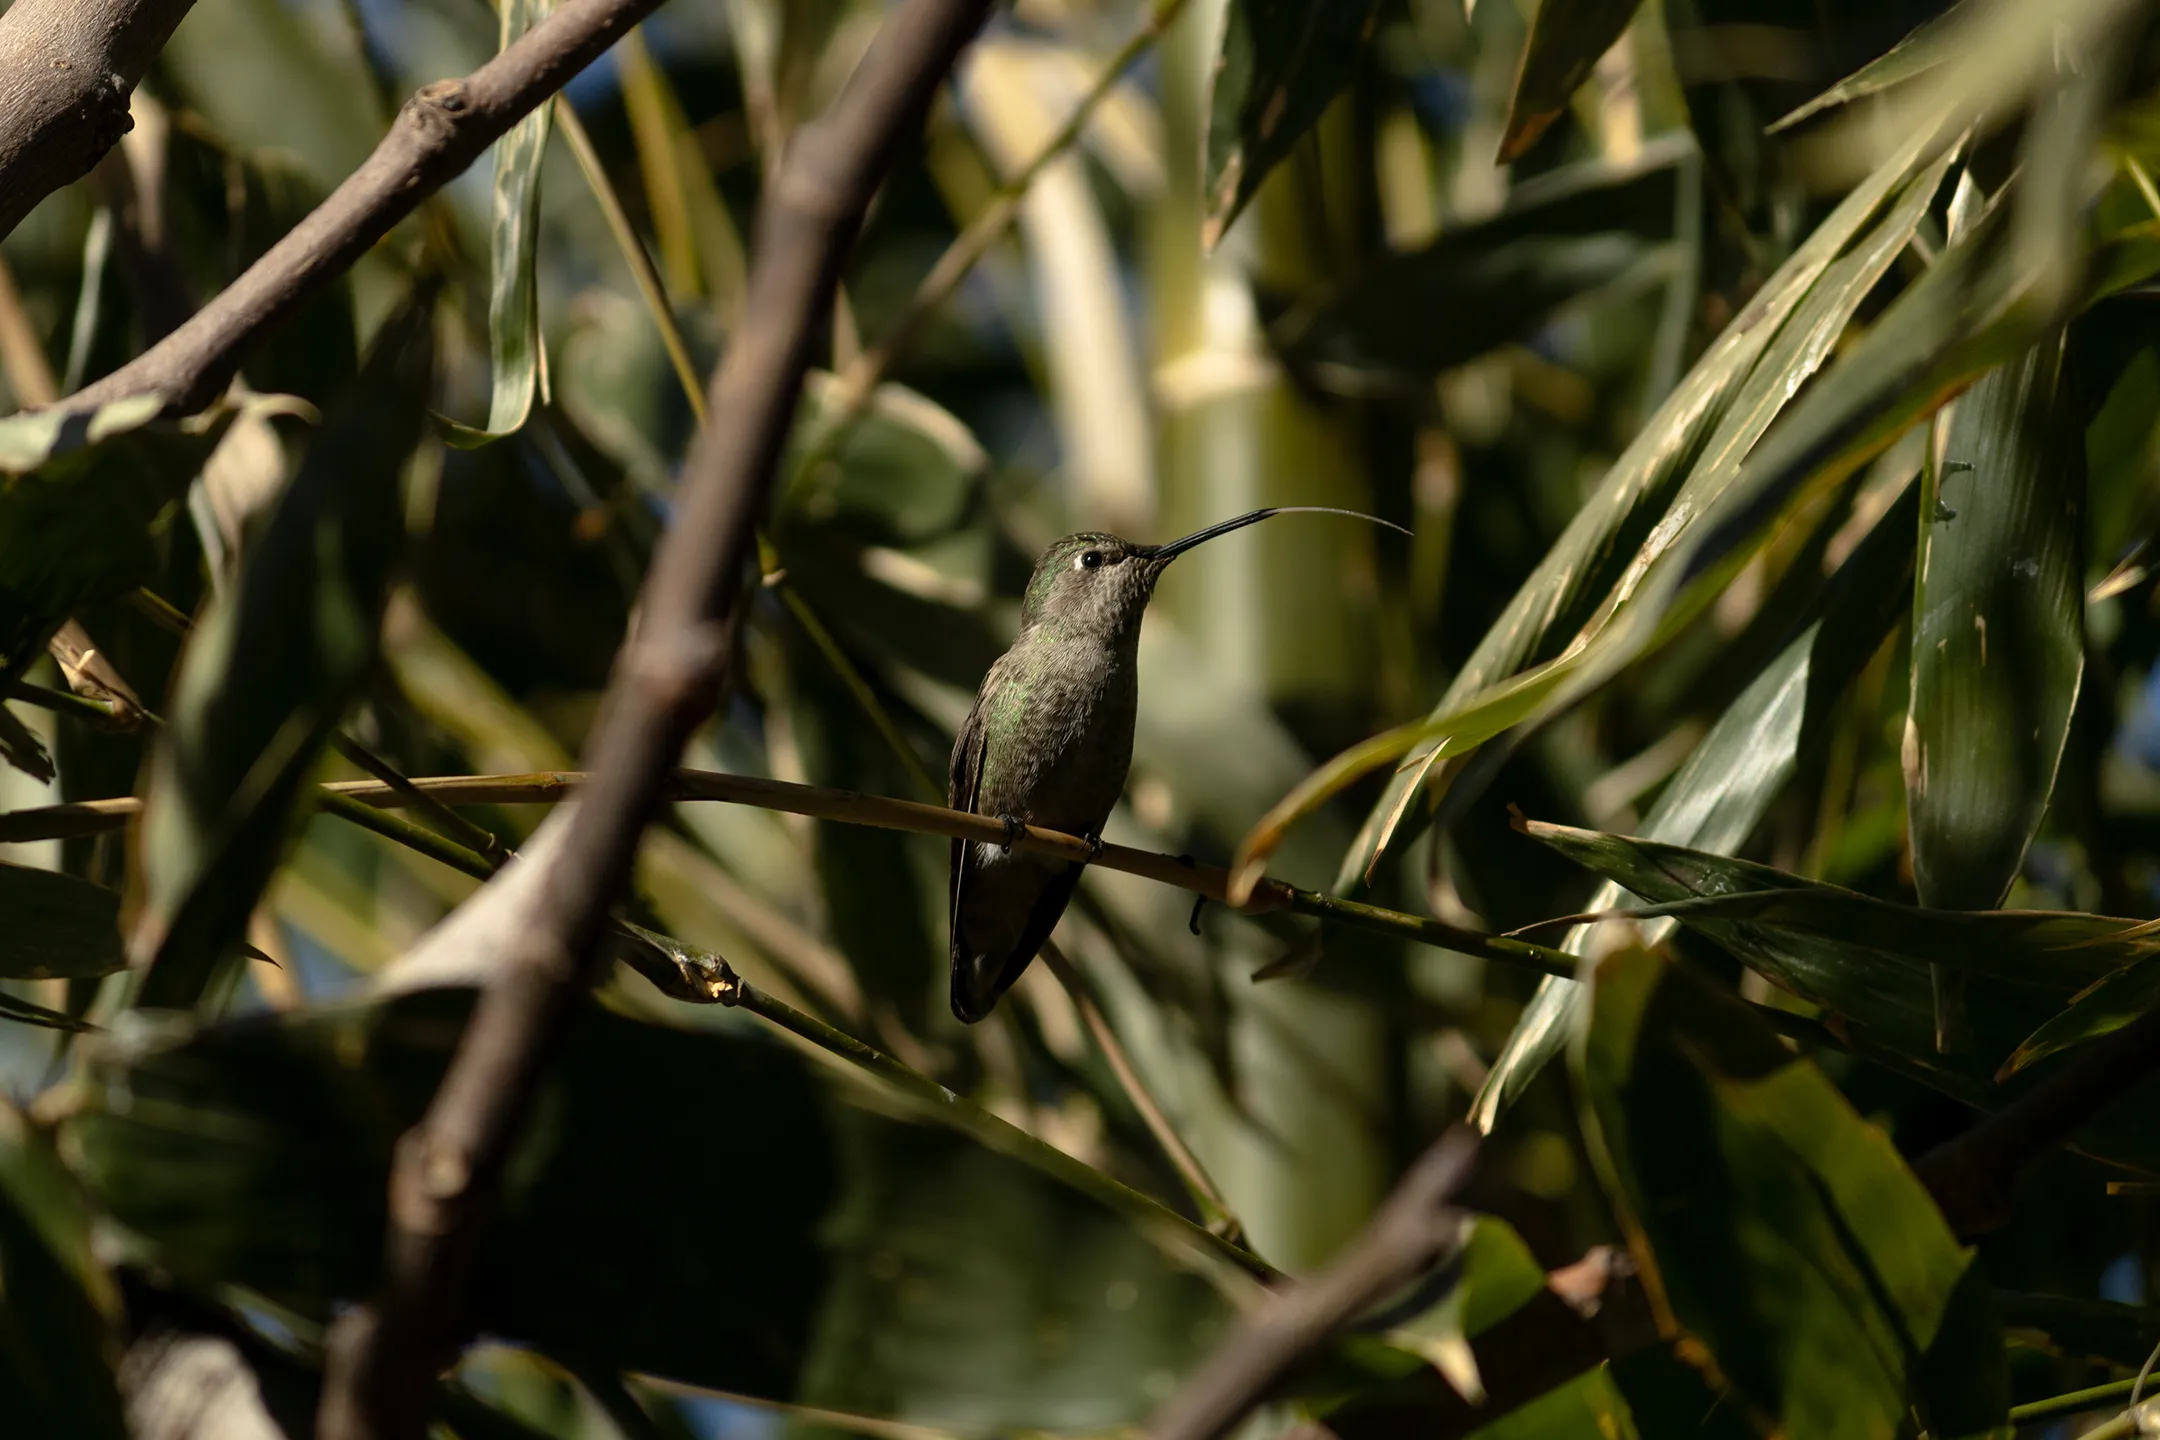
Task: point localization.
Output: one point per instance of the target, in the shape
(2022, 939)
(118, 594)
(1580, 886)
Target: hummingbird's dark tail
(1164, 553)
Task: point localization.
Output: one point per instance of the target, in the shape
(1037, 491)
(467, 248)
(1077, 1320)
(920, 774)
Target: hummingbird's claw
(1014, 828)
(1094, 844)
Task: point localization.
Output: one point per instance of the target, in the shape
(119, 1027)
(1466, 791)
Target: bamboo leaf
(1998, 628)
(1868, 961)
(271, 669)
(1281, 63)
(902, 472)
(1918, 53)
(2106, 1006)
(881, 1263)
(1566, 39)
(1717, 797)
(58, 925)
(516, 347)
(58, 1306)
(78, 494)
(1773, 1225)
(1686, 457)
(1561, 235)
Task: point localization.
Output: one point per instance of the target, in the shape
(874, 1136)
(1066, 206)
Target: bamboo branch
(439, 133)
(67, 69)
(850, 807)
(1198, 1183)
(448, 1168)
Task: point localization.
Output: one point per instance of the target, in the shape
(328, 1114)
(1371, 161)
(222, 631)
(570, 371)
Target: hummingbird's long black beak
(1163, 554)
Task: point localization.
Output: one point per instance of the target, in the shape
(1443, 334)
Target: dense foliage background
(1779, 450)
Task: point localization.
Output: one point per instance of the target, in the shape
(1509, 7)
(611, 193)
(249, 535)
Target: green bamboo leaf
(1717, 797)
(1774, 1225)
(1685, 456)
(1975, 308)
(902, 472)
(1562, 235)
(2122, 1335)
(1998, 628)
(271, 669)
(2106, 1006)
(1566, 39)
(25, 1012)
(1281, 63)
(516, 347)
(78, 495)
(21, 747)
(58, 926)
(59, 1309)
(1925, 48)
(882, 1263)
(1868, 961)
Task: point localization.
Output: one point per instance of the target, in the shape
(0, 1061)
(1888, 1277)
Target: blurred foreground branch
(58, 822)
(1416, 1229)
(440, 132)
(667, 678)
(67, 70)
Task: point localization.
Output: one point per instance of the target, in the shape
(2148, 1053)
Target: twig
(1974, 1177)
(1000, 1135)
(417, 838)
(850, 807)
(654, 291)
(861, 379)
(858, 688)
(1213, 1208)
(1416, 1228)
(67, 68)
(634, 254)
(438, 134)
(481, 842)
(448, 1168)
(2056, 1406)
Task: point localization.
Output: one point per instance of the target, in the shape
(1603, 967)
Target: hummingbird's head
(1092, 582)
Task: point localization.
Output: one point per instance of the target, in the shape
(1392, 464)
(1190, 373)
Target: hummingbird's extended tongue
(1253, 517)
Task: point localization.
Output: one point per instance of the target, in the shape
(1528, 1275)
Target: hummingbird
(1049, 740)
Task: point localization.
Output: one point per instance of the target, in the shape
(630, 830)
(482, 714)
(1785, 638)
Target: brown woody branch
(1414, 1231)
(448, 1168)
(1974, 1177)
(439, 133)
(67, 70)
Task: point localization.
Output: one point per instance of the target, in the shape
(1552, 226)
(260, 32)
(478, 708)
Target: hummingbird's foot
(1014, 829)
(1094, 844)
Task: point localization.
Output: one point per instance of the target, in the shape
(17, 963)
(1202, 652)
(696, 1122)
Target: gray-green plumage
(1048, 743)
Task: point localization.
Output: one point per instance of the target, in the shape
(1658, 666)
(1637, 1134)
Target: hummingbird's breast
(1058, 723)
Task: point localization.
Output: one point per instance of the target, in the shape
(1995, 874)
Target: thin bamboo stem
(1198, 1183)
(998, 1134)
(853, 808)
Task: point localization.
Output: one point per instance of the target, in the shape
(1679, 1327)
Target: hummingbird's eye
(1090, 559)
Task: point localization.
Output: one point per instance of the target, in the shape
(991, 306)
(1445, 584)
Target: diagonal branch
(1974, 1177)
(448, 1167)
(67, 69)
(439, 133)
(1414, 1231)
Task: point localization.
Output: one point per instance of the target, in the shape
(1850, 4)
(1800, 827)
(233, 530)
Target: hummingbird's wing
(1044, 890)
(962, 784)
